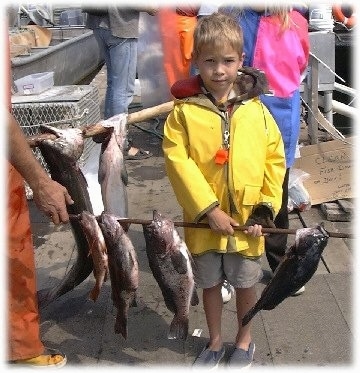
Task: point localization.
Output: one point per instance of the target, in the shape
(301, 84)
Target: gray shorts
(213, 268)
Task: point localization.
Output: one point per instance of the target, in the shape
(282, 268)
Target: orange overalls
(177, 43)
(23, 316)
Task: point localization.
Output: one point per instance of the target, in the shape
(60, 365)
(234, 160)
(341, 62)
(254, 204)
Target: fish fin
(248, 316)
(133, 301)
(192, 262)
(43, 297)
(178, 328)
(179, 262)
(194, 298)
(121, 325)
(82, 177)
(124, 175)
(125, 226)
(170, 305)
(94, 294)
(101, 137)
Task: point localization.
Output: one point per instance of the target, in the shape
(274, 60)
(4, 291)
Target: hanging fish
(170, 263)
(294, 271)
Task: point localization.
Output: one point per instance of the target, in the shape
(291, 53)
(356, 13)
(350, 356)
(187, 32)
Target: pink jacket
(283, 59)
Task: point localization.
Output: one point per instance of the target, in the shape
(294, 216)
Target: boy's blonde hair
(218, 30)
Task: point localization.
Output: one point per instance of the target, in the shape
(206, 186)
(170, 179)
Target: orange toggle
(222, 156)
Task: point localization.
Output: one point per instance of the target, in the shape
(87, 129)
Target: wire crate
(60, 106)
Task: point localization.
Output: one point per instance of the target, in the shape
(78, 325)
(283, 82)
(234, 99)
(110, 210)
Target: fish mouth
(60, 132)
(52, 130)
(159, 226)
(156, 215)
(306, 237)
(69, 142)
(301, 233)
(157, 219)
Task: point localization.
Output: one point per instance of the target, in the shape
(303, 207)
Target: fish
(112, 174)
(123, 269)
(61, 156)
(172, 267)
(296, 268)
(97, 250)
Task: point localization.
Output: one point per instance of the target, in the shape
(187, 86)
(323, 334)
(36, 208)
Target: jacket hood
(250, 83)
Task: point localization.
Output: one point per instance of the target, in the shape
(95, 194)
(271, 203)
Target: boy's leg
(245, 300)
(243, 273)
(213, 304)
(209, 276)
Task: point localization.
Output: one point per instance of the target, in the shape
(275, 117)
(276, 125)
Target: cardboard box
(331, 166)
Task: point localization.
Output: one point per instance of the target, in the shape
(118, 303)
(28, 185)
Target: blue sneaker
(209, 359)
(242, 359)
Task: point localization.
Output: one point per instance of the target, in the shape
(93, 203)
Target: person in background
(24, 344)
(224, 157)
(276, 41)
(176, 25)
(116, 30)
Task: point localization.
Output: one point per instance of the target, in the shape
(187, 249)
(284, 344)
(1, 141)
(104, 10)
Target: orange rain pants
(177, 43)
(23, 317)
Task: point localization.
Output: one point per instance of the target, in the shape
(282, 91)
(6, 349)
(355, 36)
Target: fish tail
(178, 328)
(44, 297)
(248, 316)
(121, 325)
(94, 293)
(194, 298)
(133, 300)
(125, 226)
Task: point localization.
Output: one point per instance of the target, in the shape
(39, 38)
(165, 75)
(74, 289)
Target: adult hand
(51, 198)
(221, 222)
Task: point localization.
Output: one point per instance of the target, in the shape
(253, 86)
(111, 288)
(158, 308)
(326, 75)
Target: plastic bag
(299, 197)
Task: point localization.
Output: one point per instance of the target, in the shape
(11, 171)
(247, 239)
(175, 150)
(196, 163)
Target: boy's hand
(221, 222)
(262, 215)
(254, 230)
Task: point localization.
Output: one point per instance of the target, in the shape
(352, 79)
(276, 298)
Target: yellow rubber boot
(50, 358)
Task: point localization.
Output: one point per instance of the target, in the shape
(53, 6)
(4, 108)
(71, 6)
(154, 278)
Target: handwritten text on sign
(330, 165)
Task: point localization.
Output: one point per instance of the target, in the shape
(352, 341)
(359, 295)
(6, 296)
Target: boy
(225, 160)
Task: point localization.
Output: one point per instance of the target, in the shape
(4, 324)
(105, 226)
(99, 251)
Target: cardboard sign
(331, 166)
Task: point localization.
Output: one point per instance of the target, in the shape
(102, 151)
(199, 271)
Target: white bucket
(320, 17)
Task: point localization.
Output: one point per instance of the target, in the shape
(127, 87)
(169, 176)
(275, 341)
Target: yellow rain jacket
(194, 132)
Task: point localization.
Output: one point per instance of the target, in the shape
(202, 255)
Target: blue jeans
(120, 57)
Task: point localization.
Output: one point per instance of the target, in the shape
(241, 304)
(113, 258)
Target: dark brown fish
(295, 270)
(61, 156)
(171, 265)
(97, 250)
(123, 268)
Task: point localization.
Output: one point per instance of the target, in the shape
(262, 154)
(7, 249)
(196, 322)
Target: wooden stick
(96, 129)
(206, 226)
(138, 116)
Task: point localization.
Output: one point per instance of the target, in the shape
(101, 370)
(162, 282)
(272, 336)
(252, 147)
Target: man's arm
(50, 197)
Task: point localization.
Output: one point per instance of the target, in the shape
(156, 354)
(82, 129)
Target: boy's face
(218, 69)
